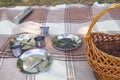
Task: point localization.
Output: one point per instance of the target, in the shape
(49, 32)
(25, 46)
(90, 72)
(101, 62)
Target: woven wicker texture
(107, 43)
(103, 51)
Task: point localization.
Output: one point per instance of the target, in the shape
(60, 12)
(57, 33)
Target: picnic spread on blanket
(63, 42)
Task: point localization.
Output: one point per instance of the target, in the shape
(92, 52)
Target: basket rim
(97, 17)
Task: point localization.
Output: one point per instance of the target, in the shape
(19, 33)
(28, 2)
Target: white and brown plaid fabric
(72, 17)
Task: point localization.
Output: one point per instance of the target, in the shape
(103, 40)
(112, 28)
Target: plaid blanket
(73, 19)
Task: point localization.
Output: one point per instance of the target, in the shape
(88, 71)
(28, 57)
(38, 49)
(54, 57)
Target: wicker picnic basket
(103, 50)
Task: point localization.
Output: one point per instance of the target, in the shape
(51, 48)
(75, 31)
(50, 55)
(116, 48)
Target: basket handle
(98, 16)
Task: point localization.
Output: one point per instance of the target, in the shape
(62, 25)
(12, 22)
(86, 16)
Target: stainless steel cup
(44, 31)
(40, 41)
(16, 50)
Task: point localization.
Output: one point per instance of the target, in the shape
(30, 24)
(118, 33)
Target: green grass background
(51, 2)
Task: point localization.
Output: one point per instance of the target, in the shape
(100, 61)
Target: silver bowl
(66, 42)
(34, 61)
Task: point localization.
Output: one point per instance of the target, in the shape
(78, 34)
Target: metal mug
(16, 50)
(44, 31)
(40, 41)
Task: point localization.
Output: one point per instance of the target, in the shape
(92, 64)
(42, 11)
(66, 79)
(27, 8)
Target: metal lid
(39, 38)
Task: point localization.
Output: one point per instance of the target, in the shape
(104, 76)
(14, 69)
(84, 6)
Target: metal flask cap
(44, 30)
(16, 50)
(40, 41)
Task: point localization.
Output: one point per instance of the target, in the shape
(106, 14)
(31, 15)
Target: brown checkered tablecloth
(72, 17)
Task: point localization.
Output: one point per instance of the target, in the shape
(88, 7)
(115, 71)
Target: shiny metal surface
(40, 41)
(44, 30)
(25, 40)
(66, 42)
(16, 50)
(34, 61)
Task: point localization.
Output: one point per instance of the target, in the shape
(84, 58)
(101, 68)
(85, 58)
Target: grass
(51, 2)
